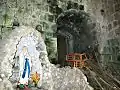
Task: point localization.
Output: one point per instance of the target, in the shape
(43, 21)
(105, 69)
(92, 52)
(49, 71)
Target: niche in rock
(26, 62)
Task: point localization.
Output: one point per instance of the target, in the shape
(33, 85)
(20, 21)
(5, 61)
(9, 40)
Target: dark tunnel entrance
(61, 47)
(75, 34)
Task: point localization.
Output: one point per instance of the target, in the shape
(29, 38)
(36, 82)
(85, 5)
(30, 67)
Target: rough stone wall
(112, 47)
(106, 13)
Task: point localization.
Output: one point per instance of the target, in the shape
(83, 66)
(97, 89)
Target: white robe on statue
(22, 67)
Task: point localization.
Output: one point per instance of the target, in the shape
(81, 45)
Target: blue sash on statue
(27, 66)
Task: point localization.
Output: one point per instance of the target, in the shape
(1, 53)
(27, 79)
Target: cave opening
(75, 34)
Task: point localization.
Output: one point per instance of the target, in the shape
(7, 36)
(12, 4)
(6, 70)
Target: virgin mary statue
(24, 66)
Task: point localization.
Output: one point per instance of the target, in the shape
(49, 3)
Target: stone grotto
(59, 45)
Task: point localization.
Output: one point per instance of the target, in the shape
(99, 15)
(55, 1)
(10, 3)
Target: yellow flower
(35, 78)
